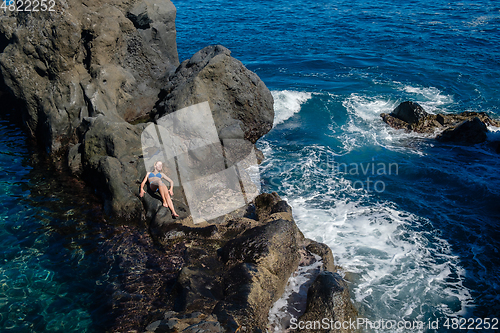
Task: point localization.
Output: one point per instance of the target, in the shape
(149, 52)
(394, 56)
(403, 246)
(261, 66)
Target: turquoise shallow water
(49, 281)
(63, 267)
(413, 222)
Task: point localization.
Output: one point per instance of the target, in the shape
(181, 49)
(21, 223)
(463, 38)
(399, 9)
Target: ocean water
(414, 223)
(63, 268)
(43, 284)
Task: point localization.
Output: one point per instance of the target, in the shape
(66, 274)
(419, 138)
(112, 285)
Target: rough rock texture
(328, 297)
(111, 163)
(325, 253)
(86, 71)
(465, 127)
(409, 112)
(471, 131)
(243, 109)
(234, 271)
(259, 263)
(195, 322)
(86, 59)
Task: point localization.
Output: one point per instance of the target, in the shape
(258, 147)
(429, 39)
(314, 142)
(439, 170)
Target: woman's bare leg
(167, 201)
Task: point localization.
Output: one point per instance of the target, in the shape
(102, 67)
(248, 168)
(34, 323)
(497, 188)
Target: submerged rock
(465, 127)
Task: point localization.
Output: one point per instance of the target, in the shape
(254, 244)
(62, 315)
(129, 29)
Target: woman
(155, 184)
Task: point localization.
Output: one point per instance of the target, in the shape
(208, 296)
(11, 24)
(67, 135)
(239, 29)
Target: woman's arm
(141, 191)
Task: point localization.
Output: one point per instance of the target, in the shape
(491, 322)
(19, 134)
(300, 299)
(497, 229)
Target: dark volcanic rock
(409, 112)
(85, 60)
(111, 162)
(465, 127)
(242, 106)
(259, 264)
(269, 203)
(87, 71)
(394, 122)
(196, 322)
(468, 131)
(328, 297)
(324, 252)
(235, 271)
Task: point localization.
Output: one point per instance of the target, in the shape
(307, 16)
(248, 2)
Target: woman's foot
(174, 215)
(165, 204)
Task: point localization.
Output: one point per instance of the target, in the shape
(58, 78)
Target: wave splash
(287, 103)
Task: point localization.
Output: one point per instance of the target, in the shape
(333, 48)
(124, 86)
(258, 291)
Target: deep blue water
(413, 222)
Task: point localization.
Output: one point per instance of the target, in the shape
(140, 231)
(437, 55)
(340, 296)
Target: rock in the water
(324, 252)
(469, 131)
(239, 100)
(409, 112)
(269, 203)
(465, 127)
(394, 122)
(234, 271)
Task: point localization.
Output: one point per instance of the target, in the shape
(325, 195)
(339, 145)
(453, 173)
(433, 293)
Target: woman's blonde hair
(164, 168)
(154, 165)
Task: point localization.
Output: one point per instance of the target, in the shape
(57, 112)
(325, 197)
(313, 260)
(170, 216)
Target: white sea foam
(365, 127)
(287, 103)
(398, 265)
(493, 133)
(430, 98)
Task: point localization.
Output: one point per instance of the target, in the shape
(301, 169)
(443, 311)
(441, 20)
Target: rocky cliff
(90, 70)
(91, 78)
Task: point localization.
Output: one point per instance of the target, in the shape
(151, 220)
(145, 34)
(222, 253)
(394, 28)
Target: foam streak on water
(398, 265)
